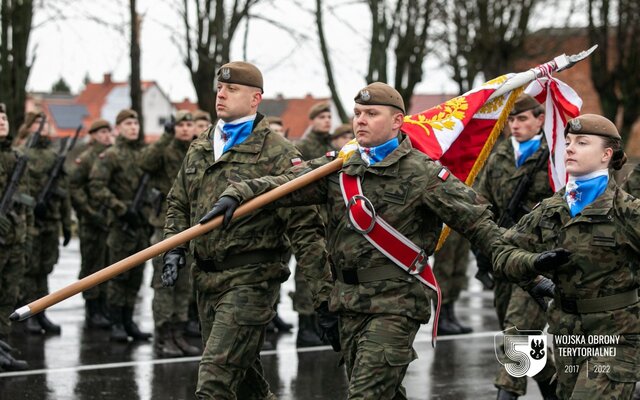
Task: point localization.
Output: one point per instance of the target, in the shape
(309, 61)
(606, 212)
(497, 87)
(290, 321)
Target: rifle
(9, 195)
(138, 199)
(45, 193)
(508, 217)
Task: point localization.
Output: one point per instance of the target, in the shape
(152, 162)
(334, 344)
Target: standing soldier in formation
(13, 231)
(162, 160)
(93, 226)
(317, 141)
(341, 136)
(525, 154)
(238, 271)
(380, 306)
(631, 184)
(201, 121)
(586, 238)
(51, 215)
(276, 126)
(114, 181)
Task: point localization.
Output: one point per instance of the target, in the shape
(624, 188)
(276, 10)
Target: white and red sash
(393, 244)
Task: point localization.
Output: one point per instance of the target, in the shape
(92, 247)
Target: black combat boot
(9, 363)
(307, 334)
(280, 325)
(118, 333)
(452, 316)
(131, 327)
(548, 389)
(446, 324)
(164, 344)
(506, 395)
(94, 317)
(181, 342)
(192, 328)
(33, 326)
(46, 324)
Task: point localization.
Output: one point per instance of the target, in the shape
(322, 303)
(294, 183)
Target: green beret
(99, 124)
(124, 114)
(3, 108)
(241, 73)
(592, 124)
(183, 115)
(523, 103)
(201, 115)
(342, 130)
(274, 120)
(319, 108)
(380, 94)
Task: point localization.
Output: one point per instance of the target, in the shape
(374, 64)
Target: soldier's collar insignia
(226, 73)
(365, 95)
(575, 125)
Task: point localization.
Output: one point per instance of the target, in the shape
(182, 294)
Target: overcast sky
(68, 44)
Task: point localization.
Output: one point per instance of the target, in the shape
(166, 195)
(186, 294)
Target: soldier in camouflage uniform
(510, 161)
(380, 306)
(49, 217)
(238, 271)
(631, 184)
(13, 231)
(317, 141)
(93, 226)
(341, 136)
(587, 239)
(162, 160)
(201, 121)
(113, 181)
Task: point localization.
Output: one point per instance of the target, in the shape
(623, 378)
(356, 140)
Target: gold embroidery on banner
(452, 109)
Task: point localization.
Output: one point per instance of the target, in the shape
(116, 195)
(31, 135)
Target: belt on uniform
(239, 260)
(598, 304)
(356, 276)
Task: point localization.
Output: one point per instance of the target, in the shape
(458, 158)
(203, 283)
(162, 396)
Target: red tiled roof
(185, 104)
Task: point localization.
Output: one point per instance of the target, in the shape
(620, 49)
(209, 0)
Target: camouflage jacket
(201, 180)
(314, 145)
(500, 176)
(605, 243)
(406, 192)
(162, 160)
(631, 185)
(81, 200)
(116, 174)
(58, 207)
(18, 213)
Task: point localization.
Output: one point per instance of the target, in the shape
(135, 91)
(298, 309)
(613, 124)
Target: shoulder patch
(443, 174)
(330, 154)
(296, 161)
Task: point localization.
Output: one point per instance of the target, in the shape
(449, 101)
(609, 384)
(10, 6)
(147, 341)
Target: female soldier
(587, 239)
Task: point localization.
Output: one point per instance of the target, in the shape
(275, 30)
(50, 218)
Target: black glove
(544, 288)
(485, 270)
(225, 205)
(550, 259)
(328, 322)
(66, 234)
(170, 127)
(173, 261)
(40, 210)
(5, 225)
(131, 218)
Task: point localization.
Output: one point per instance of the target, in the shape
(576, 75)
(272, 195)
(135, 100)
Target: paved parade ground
(85, 365)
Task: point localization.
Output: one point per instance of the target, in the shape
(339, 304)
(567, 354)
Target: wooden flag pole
(140, 257)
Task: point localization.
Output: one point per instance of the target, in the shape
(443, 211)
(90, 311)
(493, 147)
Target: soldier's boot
(192, 329)
(446, 324)
(118, 333)
(33, 326)
(94, 317)
(271, 327)
(307, 334)
(454, 318)
(164, 345)
(280, 325)
(103, 307)
(9, 363)
(181, 342)
(548, 389)
(46, 324)
(506, 395)
(131, 327)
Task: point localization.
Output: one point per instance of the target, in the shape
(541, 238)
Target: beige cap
(380, 94)
(592, 124)
(242, 73)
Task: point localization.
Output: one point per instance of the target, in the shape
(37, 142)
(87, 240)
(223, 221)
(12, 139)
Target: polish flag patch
(296, 161)
(443, 174)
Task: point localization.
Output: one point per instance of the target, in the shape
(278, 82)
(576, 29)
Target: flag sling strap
(393, 244)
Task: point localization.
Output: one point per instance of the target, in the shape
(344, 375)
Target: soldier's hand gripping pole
(140, 257)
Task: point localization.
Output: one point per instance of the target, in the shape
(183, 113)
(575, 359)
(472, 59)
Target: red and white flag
(561, 104)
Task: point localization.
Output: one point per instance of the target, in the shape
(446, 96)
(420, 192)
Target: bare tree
(615, 27)
(16, 18)
(135, 84)
(209, 32)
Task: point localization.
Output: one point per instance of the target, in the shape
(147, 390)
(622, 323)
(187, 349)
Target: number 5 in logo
(521, 352)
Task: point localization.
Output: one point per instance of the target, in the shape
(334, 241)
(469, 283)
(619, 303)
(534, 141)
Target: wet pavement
(85, 365)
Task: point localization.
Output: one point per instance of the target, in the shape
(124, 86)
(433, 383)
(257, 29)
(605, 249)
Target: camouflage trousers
(123, 289)
(600, 377)
(11, 273)
(40, 262)
(93, 253)
(501, 298)
(301, 297)
(233, 329)
(169, 304)
(523, 313)
(377, 350)
(450, 267)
